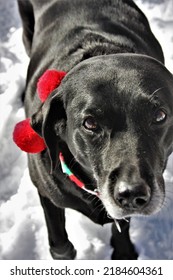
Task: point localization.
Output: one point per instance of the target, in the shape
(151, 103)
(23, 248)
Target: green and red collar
(73, 178)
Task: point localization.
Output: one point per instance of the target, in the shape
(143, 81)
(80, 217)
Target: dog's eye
(90, 123)
(160, 116)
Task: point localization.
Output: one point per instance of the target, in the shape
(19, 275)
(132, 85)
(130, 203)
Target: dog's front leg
(60, 247)
(123, 249)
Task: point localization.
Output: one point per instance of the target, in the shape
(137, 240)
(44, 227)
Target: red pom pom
(27, 139)
(50, 80)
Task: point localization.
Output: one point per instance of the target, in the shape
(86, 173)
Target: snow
(23, 233)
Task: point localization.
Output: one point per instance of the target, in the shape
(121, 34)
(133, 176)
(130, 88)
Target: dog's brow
(153, 98)
(94, 110)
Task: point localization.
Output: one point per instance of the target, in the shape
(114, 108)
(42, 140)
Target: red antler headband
(23, 135)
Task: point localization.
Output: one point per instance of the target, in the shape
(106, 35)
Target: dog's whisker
(100, 205)
(72, 162)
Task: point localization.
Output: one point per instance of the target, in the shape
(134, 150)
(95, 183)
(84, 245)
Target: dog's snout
(132, 196)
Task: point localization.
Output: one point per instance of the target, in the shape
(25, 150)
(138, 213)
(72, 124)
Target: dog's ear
(50, 123)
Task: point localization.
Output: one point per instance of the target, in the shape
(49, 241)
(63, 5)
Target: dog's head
(115, 113)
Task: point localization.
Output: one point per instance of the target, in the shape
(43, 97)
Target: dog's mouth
(122, 199)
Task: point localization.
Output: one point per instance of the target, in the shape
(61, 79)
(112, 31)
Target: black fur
(117, 79)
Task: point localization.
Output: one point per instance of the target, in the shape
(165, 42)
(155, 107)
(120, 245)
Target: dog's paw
(126, 256)
(68, 252)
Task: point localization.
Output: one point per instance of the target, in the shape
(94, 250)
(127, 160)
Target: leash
(73, 178)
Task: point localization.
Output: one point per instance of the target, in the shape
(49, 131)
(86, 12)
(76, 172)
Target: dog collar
(80, 184)
(73, 178)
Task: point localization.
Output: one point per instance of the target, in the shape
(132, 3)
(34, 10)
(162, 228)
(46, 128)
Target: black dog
(111, 117)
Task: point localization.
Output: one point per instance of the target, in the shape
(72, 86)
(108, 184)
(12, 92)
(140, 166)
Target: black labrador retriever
(111, 118)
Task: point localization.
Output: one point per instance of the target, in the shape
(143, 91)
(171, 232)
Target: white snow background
(23, 234)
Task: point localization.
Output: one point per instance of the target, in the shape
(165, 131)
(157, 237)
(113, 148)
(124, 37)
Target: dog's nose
(132, 196)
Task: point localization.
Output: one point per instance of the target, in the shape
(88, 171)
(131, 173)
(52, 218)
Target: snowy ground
(23, 233)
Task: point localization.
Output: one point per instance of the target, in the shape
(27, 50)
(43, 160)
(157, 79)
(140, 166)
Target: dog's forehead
(120, 81)
(124, 71)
